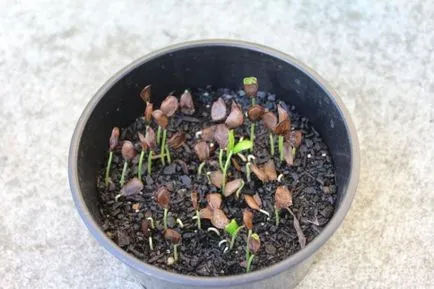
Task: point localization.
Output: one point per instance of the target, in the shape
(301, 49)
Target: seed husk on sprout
(128, 153)
(113, 143)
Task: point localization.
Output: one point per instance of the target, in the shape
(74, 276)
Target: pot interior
(199, 66)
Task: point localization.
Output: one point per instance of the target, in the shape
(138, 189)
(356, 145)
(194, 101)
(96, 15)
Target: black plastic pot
(220, 63)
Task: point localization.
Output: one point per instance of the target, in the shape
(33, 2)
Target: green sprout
(254, 243)
(162, 196)
(233, 229)
(281, 150)
(128, 153)
(232, 149)
(113, 142)
(195, 203)
(271, 144)
(251, 88)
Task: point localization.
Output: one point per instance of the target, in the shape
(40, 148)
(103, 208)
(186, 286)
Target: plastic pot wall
(220, 63)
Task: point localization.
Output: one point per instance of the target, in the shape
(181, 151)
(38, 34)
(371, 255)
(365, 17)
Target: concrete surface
(378, 54)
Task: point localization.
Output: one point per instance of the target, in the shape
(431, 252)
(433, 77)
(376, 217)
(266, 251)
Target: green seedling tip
(242, 146)
(250, 80)
(232, 227)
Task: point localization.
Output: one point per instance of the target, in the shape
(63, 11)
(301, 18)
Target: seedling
(291, 146)
(248, 222)
(147, 227)
(282, 128)
(233, 148)
(162, 196)
(282, 200)
(270, 122)
(167, 109)
(186, 103)
(175, 239)
(146, 142)
(251, 89)
(195, 203)
(254, 113)
(254, 244)
(202, 151)
(145, 94)
(128, 153)
(132, 187)
(233, 229)
(113, 143)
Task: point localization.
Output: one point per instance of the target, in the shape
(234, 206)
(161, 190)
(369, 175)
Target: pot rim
(261, 274)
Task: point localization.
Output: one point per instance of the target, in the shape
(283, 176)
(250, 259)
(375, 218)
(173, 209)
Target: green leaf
(254, 236)
(231, 140)
(250, 80)
(242, 146)
(232, 227)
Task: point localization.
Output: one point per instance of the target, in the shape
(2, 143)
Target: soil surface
(311, 180)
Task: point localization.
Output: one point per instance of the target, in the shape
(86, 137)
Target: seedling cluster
(226, 154)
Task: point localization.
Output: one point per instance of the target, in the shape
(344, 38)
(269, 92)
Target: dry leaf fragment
(172, 236)
(148, 111)
(259, 173)
(221, 135)
(270, 170)
(205, 213)
(176, 140)
(248, 218)
(186, 103)
(132, 187)
(250, 201)
(160, 118)
(300, 234)
(145, 228)
(114, 138)
(162, 196)
(195, 200)
(202, 150)
(214, 201)
(270, 120)
(169, 105)
(128, 152)
(219, 219)
(255, 112)
(145, 94)
(287, 153)
(218, 110)
(232, 186)
(282, 197)
(235, 117)
(207, 134)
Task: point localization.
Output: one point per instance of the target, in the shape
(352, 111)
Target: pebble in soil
(311, 179)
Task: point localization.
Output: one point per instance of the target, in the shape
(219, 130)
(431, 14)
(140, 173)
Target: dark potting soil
(311, 180)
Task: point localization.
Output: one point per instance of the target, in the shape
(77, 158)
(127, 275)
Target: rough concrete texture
(378, 54)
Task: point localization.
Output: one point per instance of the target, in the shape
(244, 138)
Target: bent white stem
(212, 229)
(180, 223)
(152, 222)
(237, 193)
(265, 212)
(199, 169)
(222, 242)
(175, 252)
(151, 244)
(248, 171)
(165, 218)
